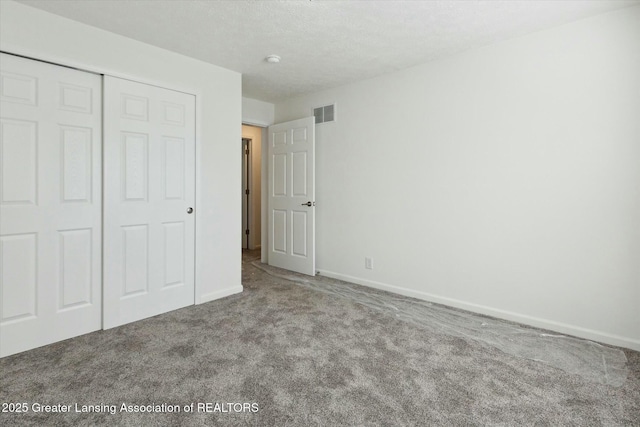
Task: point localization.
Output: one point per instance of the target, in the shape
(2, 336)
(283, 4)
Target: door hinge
(246, 191)
(246, 151)
(246, 231)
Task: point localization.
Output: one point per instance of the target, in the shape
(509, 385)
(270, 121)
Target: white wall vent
(325, 114)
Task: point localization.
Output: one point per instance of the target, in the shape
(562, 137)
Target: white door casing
(291, 217)
(245, 194)
(149, 236)
(50, 203)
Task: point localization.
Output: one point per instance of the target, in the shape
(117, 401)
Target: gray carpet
(305, 358)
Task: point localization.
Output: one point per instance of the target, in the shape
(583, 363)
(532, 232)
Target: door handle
(189, 210)
(308, 204)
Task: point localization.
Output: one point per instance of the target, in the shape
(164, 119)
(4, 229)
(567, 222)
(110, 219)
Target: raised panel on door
(135, 260)
(133, 107)
(18, 263)
(135, 161)
(299, 185)
(19, 175)
(299, 226)
(279, 175)
(279, 236)
(19, 87)
(291, 222)
(50, 204)
(75, 98)
(75, 268)
(149, 151)
(174, 163)
(173, 114)
(173, 245)
(76, 163)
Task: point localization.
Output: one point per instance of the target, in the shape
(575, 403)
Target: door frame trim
(248, 175)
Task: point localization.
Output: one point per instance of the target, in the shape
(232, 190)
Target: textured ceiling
(323, 44)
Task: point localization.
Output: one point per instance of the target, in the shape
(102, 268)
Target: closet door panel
(50, 203)
(149, 198)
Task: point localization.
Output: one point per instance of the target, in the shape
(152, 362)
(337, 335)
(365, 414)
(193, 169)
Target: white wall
(258, 113)
(255, 186)
(34, 33)
(505, 180)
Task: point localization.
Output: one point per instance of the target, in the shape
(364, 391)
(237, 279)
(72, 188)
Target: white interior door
(50, 204)
(291, 218)
(149, 196)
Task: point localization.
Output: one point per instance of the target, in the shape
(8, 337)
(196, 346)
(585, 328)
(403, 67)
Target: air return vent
(325, 114)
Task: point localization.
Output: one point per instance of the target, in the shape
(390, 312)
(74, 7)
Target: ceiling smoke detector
(272, 59)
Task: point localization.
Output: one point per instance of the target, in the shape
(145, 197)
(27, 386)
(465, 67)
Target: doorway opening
(251, 188)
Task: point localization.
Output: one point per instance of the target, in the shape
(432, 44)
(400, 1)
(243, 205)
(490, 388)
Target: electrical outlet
(368, 263)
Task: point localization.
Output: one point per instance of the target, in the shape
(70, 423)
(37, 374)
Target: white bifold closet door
(50, 203)
(149, 195)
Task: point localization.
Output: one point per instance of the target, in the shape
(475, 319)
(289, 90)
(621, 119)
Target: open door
(291, 199)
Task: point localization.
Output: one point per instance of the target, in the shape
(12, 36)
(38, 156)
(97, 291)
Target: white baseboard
(563, 328)
(212, 296)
